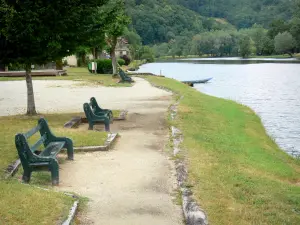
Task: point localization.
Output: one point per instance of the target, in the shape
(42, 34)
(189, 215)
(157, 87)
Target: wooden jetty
(34, 73)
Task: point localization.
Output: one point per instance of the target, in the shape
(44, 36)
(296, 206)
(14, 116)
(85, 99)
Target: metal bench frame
(32, 159)
(95, 118)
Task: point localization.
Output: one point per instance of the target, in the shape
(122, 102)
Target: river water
(270, 87)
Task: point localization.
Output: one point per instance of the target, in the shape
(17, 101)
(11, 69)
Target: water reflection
(270, 89)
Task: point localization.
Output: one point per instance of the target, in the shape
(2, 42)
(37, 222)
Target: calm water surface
(271, 89)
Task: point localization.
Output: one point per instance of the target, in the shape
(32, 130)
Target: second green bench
(96, 118)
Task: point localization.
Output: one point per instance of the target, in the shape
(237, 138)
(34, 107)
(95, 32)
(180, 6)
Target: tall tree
(284, 43)
(116, 29)
(277, 26)
(134, 41)
(245, 46)
(36, 32)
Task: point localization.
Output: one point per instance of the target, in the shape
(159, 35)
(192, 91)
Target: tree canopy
(42, 31)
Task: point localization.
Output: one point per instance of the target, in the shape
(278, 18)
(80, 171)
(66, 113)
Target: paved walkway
(133, 183)
(68, 96)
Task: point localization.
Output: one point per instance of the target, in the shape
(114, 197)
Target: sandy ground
(133, 183)
(68, 96)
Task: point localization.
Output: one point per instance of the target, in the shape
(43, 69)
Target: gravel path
(68, 96)
(133, 183)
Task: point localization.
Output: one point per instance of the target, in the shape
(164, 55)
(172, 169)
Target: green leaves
(284, 42)
(40, 31)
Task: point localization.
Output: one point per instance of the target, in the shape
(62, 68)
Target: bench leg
(54, 168)
(91, 127)
(111, 117)
(107, 126)
(70, 150)
(26, 176)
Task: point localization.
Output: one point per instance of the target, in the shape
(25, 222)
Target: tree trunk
(83, 59)
(30, 95)
(94, 56)
(2, 67)
(113, 55)
(96, 53)
(59, 64)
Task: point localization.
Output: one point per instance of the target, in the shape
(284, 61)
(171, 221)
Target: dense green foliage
(242, 13)
(37, 32)
(160, 21)
(284, 42)
(254, 40)
(218, 28)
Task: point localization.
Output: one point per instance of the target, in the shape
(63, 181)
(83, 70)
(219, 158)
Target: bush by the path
(104, 66)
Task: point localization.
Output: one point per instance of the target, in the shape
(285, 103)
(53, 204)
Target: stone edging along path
(193, 213)
(72, 210)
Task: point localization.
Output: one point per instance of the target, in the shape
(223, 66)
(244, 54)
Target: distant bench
(95, 114)
(124, 76)
(32, 159)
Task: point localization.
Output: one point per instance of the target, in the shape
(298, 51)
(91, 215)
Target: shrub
(15, 66)
(121, 62)
(104, 66)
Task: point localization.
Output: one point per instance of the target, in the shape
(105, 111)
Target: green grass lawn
(80, 74)
(25, 204)
(237, 172)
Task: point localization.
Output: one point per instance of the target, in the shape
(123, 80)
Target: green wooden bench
(33, 159)
(97, 110)
(124, 77)
(93, 118)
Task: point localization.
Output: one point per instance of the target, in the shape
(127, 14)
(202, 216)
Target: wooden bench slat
(32, 131)
(53, 148)
(38, 143)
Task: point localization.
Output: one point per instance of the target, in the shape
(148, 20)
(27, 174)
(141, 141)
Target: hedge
(104, 66)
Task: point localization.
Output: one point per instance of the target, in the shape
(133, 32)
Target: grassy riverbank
(237, 172)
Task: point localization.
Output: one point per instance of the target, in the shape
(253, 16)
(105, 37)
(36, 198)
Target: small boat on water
(192, 82)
